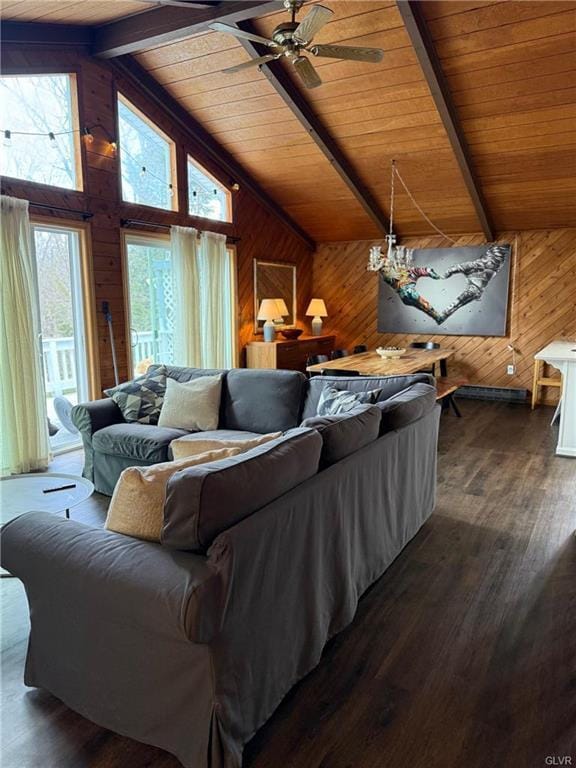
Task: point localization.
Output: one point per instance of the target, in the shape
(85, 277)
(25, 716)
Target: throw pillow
(345, 433)
(141, 399)
(193, 405)
(406, 406)
(333, 401)
(137, 506)
(184, 446)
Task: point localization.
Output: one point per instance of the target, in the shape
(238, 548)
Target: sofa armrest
(89, 418)
(92, 575)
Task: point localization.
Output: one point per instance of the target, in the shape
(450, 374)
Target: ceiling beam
(146, 84)
(33, 33)
(425, 50)
(283, 85)
(168, 24)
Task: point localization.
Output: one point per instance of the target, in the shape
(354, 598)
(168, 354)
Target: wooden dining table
(371, 364)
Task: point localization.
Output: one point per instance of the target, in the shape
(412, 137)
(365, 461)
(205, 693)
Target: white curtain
(24, 445)
(204, 332)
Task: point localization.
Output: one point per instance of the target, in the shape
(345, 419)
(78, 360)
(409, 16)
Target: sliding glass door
(63, 328)
(151, 301)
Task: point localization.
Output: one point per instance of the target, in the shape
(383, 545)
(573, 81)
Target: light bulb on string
(53, 142)
(143, 171)
(170, 190)
(88, 136)
(7, 139)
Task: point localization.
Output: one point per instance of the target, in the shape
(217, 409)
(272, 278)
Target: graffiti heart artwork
(454, 291)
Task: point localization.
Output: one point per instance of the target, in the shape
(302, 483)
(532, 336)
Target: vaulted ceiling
(510, 80)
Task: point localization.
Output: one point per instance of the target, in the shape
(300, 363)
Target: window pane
(141, 147)
(151, 304)
(38, 104)
(207, 198)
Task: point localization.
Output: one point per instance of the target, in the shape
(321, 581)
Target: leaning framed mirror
(275, 280)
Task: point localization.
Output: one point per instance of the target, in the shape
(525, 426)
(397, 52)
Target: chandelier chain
(396, 172)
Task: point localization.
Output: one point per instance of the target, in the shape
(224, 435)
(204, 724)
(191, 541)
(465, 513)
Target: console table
(290, 354)
(562, 355)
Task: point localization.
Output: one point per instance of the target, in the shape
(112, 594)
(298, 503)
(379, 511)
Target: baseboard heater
(504, 394)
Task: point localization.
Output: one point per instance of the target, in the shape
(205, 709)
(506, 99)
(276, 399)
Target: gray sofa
(191, 644)
(253, 402)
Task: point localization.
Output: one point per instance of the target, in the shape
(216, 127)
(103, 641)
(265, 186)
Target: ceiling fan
(291, 39)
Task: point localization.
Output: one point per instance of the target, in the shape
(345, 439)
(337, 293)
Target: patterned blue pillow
(140, 400)
(333, 401)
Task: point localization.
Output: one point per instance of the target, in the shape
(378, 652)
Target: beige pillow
(137, 506)
(193, 405)
(191, 445)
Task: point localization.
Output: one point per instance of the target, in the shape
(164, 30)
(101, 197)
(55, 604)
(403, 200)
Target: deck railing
(60, 366)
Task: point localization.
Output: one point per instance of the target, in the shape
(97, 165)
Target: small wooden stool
(542, 381)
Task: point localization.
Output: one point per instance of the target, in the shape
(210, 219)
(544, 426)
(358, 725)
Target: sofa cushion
(192, 445)
(262, 400)
(140, 399)
(136, 441)
(406, 406)
(333, 401)
(389, 385)
(203, 501)
(193, 405)
(345, 433)
(137, 506)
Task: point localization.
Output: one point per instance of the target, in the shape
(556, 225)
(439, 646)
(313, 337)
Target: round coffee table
(27, 493)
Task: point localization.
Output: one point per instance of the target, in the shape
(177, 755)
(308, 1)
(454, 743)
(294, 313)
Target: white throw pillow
(137, 506)
(190, 445)
(194, 405)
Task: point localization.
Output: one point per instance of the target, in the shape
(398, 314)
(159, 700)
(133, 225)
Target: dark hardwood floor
(463, 655)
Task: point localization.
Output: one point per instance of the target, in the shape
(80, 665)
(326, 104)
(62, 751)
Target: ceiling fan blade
(348, 52)
(252, 63)
(218, 26)
(312, 23)
(306, 72)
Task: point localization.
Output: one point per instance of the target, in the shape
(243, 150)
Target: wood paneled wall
(260, 233)
(542, 306)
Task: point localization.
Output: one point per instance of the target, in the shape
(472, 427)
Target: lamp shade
(282, 307)
(269, 310)
(317, 308)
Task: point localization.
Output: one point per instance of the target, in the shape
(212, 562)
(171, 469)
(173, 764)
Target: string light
(87, 133)
(53, 135)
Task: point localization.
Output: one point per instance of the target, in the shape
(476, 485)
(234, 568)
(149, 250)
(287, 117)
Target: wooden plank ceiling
(85, 12)
(511, 71)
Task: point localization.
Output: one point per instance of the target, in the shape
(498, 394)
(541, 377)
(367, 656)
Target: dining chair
(316, 359)
(336, 354)
(426, 345)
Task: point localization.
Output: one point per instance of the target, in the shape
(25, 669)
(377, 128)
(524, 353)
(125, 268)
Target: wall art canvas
(453, 291)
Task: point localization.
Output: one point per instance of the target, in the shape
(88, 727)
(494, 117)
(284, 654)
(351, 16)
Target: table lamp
(317, 310)
(283, 310)
(269, 311)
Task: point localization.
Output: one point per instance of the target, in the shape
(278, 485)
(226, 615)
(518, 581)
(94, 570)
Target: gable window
(147, 160)
(206, 196)
(40, 131)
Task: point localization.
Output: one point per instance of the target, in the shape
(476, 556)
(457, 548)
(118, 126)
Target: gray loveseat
(253, 402)
(190, 645)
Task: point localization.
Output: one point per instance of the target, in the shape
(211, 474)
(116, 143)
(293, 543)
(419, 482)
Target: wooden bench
(445, 388)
